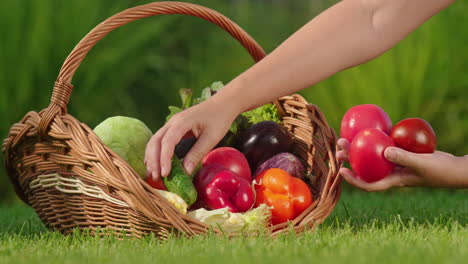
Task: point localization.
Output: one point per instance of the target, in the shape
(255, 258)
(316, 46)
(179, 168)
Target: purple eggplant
(285, 161)
(262, 141)
(184, 146)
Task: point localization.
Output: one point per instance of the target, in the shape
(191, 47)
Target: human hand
(438, 169)
(208, 122)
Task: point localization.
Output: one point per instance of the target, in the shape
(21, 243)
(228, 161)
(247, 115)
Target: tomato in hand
(287, 195)
(415, 135)
(362, 117)
(366, 155)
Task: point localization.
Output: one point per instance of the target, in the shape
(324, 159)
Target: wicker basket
(72, 180)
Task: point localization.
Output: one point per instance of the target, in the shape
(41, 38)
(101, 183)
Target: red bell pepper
(287, 195)
(227, 189)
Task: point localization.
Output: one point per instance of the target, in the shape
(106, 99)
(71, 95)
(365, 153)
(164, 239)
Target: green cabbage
(128, 138)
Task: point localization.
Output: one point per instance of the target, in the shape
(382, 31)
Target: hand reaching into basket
(438, 169)
(208, 122)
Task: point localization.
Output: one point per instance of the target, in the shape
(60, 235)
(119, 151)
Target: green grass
(395, 227)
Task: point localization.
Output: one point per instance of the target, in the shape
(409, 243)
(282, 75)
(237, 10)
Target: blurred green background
(137, 69)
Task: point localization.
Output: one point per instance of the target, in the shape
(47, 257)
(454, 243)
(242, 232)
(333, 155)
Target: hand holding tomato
(438, 169)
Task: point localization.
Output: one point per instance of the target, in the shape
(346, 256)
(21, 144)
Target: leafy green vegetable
(207, 92)
(255, 219)
(128, 138)
(172, 111)
(216, 86)
(250, 221)
(266, 112)
(240, 123)
(186, 97)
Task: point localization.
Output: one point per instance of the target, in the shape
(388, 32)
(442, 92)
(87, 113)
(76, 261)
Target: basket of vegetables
(275, 170)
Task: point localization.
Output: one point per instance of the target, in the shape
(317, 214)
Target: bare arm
(347, 34)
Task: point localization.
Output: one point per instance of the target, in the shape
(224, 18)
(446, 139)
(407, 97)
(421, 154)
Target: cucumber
(180, 183)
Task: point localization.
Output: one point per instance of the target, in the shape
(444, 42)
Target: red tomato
(156, 184)
(362, 117)
(229, 158)
(415, 135)
(366, 155)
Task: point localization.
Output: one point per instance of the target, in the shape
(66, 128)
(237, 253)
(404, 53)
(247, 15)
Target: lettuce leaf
(186, 97)
(266, 112)
(172, 111)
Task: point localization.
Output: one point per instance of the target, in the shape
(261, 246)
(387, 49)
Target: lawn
(417, 226)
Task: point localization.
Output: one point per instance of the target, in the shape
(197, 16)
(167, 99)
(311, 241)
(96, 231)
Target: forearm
(451, 175)
(441, 170)
(348, 34)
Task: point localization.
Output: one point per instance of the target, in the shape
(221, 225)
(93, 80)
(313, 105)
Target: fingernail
(155, 175)
(189, 167)
(148, 172)
(164, 171)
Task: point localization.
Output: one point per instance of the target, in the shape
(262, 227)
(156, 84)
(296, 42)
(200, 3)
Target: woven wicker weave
(72, 180)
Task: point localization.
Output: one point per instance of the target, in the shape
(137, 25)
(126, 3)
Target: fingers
(403, 158)
(160, 148)
(343, 144)
(168, 142)
(384, 184)
(351, 178)
(152, 153)
(203, 145)
(401, 177)
(343, 154)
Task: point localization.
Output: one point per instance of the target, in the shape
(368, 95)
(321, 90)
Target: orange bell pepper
(287, 195)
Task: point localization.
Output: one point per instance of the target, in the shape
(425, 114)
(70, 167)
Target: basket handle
(63, 87)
